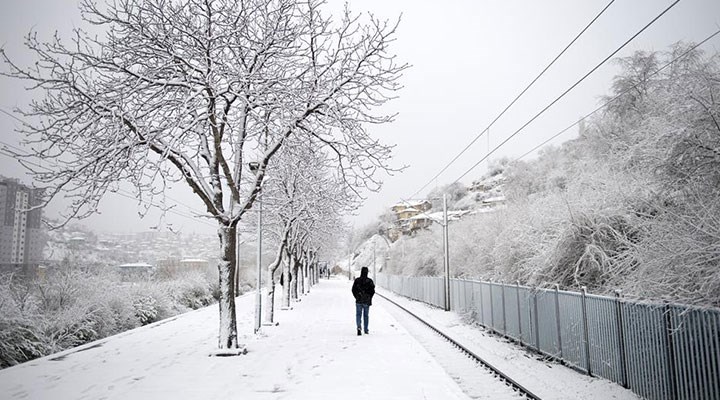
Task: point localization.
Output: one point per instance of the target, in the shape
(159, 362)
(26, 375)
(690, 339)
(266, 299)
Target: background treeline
(633, 203)
(74, 305)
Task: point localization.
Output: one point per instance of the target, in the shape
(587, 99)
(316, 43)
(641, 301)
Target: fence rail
(659, 351)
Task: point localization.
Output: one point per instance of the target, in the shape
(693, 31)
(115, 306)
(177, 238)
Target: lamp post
(254, 167)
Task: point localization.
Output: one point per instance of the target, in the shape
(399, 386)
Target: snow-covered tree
(305, 198)
(190, 91)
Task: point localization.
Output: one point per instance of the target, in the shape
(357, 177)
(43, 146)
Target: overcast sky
(469, 60)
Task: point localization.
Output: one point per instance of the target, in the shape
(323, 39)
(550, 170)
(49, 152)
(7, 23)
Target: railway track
(517, 389)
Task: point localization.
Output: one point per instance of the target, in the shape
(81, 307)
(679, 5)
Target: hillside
(632, 204)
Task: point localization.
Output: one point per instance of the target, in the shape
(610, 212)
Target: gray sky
(470, 59)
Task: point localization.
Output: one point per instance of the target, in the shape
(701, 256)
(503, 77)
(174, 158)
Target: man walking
(363, 289)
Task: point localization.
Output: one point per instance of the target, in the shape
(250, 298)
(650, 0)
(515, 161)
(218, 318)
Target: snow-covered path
(313, 354)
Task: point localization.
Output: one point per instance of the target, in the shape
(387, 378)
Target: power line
(619, 95)
(515, 99)
(568, 90)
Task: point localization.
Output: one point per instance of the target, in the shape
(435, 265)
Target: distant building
(170, 267)
(409, 217)
(194, 264)
(135, 271)
(21, 236)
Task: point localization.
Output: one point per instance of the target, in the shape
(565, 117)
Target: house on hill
(489, 193)
(409, 217)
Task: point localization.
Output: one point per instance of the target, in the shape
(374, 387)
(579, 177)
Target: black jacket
(363, 289)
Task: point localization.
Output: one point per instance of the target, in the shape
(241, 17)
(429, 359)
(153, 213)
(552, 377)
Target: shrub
(19, 342)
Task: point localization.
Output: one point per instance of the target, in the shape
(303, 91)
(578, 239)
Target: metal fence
(659, 351)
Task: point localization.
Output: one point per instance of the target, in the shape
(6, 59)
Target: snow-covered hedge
(72, 306)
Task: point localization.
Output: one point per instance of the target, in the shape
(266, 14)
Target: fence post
(557, 319)
(586, 334)
(502, 293)
(621, 338)
(670, 350)
(472, 294)
(537, 326)
(482, 308)
(492, 313)
(517, 292)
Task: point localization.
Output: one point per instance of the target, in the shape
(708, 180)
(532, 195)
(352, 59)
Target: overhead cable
(515, 99)
(605, 104)
(567, 91)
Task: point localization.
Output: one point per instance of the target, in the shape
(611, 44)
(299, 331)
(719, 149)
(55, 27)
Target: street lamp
(254, 168)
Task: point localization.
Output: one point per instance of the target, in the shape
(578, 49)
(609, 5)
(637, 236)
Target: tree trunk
(286, 281)
(313, 265)
(302, 286)
(295, 281)
(227, 337)
(306, 271)
(270, 307)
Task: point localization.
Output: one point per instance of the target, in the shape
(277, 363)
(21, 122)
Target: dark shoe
(367, 332)
(359, 334)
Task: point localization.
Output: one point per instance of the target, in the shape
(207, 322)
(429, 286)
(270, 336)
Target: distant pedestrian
(363, 289)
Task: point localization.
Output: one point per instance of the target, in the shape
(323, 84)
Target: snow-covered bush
(192, 291)
(678, 254)
(19, 341)
(73, 306)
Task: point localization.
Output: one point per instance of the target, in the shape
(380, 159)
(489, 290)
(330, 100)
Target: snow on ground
(312, 354)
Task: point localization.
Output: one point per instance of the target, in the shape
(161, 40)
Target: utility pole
(446, 258)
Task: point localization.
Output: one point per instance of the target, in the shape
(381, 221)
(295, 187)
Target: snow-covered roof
(193, 260)
(410, 203)
(494, 199)
(136, 265)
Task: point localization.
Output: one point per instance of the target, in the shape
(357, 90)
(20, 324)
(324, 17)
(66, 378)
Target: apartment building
(21, 237)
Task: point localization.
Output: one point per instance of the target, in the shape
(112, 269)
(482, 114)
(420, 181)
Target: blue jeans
(361, 312)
